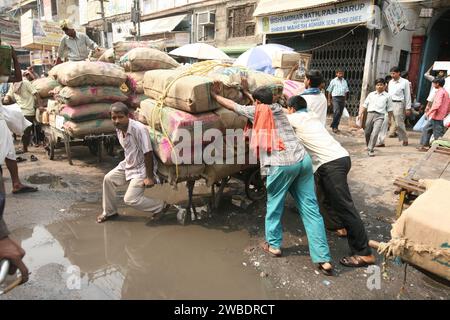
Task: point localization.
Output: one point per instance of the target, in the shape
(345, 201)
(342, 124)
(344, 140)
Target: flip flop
(102, 218)
(354, 262)
(25, 189)
(33, 158)
(20, 159)
(327, 272)
(267, 248)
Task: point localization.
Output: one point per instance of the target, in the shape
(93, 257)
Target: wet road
(72, 257)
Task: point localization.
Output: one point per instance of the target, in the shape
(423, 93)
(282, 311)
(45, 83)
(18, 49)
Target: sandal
(25, 189)
(273, 252)
(33, 158)
(327, 272)
(103, 217)
(354, 262)
(20, 159)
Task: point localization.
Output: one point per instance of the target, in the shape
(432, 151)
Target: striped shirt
(294, 151)
(338, 87)
(136, 143)
(76, 48)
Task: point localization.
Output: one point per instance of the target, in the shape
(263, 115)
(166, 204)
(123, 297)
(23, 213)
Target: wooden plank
(433, 167)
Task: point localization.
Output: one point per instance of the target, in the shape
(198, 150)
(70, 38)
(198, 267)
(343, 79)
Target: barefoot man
(137, 168)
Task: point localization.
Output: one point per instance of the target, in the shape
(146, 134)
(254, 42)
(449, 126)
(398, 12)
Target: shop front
(335, 33)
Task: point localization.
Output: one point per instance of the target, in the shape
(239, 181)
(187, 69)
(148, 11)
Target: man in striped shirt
(337, 94)
(137, 168)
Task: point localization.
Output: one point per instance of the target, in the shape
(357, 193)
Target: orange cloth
(264, 134)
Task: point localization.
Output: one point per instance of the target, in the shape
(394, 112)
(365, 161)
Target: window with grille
(241, 22)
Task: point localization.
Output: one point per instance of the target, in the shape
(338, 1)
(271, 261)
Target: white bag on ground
(14, 118)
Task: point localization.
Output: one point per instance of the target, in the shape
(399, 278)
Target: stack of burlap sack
(136, 62)
(44, 87)
(180, 102)
(84, 97)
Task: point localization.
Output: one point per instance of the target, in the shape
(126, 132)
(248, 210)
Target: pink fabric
(264, 134)
(441, 105)
(293, 88)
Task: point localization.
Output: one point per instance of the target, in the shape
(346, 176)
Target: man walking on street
(137, 168)
(337, 95)
(377, 104)
(400, 92)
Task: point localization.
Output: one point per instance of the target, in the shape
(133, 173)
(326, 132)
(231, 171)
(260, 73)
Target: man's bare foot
(326, 268)
(103, 217)
(358, 261)
(342, 233)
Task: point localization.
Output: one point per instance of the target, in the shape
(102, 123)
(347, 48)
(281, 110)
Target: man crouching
(137, 168)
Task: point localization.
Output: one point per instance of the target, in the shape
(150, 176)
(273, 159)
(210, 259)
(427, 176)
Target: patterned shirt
(378, 102)
(76, 48)
(294, 150)
(136, 143)
(338, 87)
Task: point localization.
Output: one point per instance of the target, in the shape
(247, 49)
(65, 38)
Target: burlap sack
(134, 100)
(216, 172)
(107, 56)
(184, 172)
(190, 93)
(421, 235)
(82, 73)
(122, 47)
(135, 81)
(293, 88)
(86, 112)
(75, 96)
(53, 73)
(92, 127)
(142, 59)
(45, 86)
(230, 119)
(53, 106)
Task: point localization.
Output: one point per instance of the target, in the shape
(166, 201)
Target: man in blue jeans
(337, 93)
(289, 169)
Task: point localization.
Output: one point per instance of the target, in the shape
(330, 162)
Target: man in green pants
(289, 169)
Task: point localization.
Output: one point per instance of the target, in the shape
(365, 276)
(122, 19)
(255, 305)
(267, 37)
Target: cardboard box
(441, 65)
(282, 73)
(5, 60)
(285, 59)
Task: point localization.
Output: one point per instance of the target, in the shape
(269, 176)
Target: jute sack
(53, 73)
(142, 59)
(107, 56)
(134, 100)
(136, 81)
(189, 93)
(183, 152)
(86, 112)
(185, 172)
(97, 73)
(92, 127)
(216, 172)
(122, 47)
(178, 123)
(44, 86)
(421, 235)
(89, 94)
(293, 88)
(230, 119)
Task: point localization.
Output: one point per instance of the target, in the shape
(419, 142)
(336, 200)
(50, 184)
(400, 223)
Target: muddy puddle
(130, 258)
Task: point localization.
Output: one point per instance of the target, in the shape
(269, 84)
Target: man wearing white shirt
(400, 92)
(378, 104)
(331, 164)
(316, 100)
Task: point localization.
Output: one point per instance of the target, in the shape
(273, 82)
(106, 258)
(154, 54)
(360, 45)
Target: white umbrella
(200, 51)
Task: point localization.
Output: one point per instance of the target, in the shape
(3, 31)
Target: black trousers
(338, 202)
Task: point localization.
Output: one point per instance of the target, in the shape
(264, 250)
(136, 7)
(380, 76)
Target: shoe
(392, 135)
(381, 145)
(405, 143)
(335, 130)
(371, 154)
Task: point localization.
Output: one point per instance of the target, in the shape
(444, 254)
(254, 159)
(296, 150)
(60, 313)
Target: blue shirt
(338, 88)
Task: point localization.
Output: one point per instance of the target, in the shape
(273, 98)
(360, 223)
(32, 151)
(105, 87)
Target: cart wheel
(255, 188)
(50, 144)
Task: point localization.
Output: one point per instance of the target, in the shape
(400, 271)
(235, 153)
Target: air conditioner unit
(206, 18)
